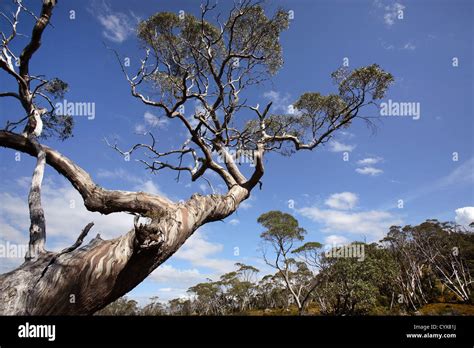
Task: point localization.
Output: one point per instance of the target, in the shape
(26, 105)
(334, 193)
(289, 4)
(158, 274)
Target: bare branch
(95, 197)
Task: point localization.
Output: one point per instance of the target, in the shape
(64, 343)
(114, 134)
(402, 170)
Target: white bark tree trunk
(84, 280)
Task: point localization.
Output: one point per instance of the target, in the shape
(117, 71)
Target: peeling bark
(88, 278)
(37, 220)
(82, 280)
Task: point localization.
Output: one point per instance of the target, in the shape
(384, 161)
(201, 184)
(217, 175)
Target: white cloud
(369, 171)
(11, 233)
(409, 46)
(371, 223)
(65, 216)
(151, 121)
(247, 204)
(392, 12)
(464, 216)
(463, 174)
(169, 274)
(198, 251)
(118, 173)
(12, 237)
(279, 102)
(140, 128)
(334, 239)
(168, 289)
(399, 46)
(117, 26)
(176, 281)
(155, 121)
(336, 146)
(149, 186)
(343, 200)
(369, 160)
(141, 184)
(387, 46)
(346, 134)
(234, 222)
(203, 187)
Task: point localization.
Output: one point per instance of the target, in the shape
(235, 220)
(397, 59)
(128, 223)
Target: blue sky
(335, 200)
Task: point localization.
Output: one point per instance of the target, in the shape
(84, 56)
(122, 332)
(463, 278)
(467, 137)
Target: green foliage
(56, 88)
(316, 116)
(54, 125)
(342, 285)
(372, 80)
(256, 34)
(350, 286)
(316, 109)
(121, 306)
(370, 285)
(179, 306)
(60, 126)
(155, 307)
(429, 255)
(308, 247)
(281, 227)
(193, 46)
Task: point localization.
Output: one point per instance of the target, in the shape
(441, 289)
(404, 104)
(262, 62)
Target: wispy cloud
(140, 183)
(149, 186)
(368, 170)
(369, 160)
(280, 103)
(169, 274)
(401, 46)
(392, 12)
(387, 46)
(234, 222)
(247, 204)
(336, 146)
(334, 239)
(463, 174)
(65, 215)
(151, 121)
(117, 26)
(199, 252)
(372, 223)
(410, 46)
(118, 173)
(343, 200)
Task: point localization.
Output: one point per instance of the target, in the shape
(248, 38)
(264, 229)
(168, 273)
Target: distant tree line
(411, 267)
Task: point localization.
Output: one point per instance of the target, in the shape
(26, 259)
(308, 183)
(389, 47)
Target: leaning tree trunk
(82, 280)
(86, 279)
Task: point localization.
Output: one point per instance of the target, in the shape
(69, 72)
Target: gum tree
(299, 272)
(431, 250)
(211, 62)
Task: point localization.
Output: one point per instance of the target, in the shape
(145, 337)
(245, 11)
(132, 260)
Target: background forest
(425, 269)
